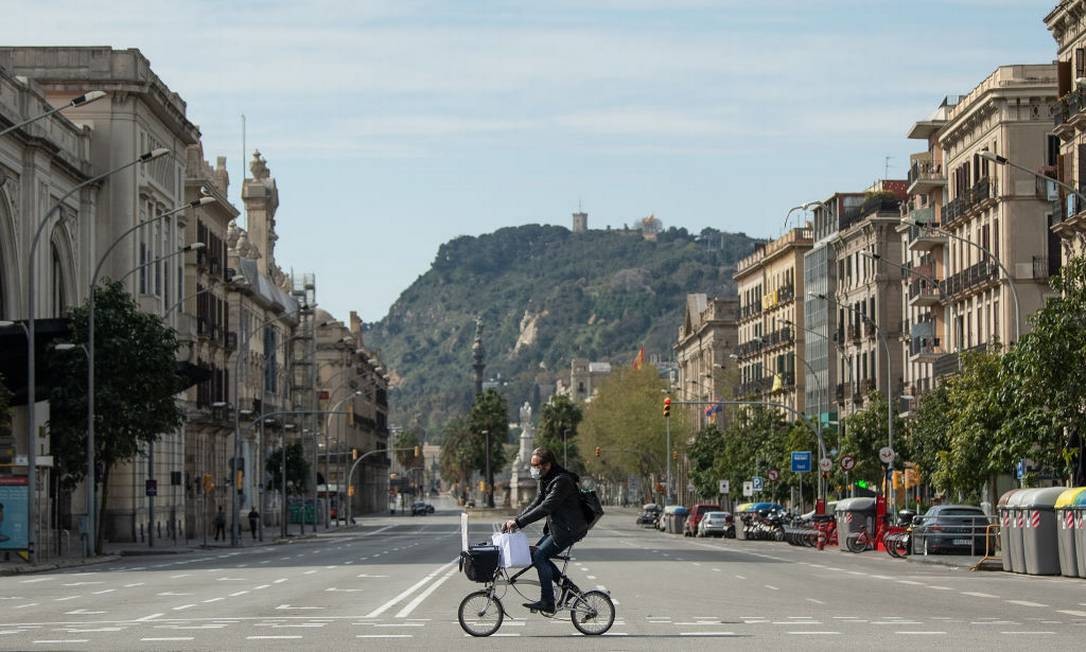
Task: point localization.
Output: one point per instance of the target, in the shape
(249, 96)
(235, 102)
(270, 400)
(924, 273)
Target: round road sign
(773, 474)
(886, 455)
(847, 462)
(825, 464)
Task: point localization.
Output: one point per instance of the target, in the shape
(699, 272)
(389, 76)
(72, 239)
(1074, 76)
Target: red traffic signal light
(667, 407)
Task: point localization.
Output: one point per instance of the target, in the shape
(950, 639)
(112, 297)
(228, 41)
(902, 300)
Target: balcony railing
(977, 274)
(959, 207)
(925, 346)
(921, 289)
(1068, 106)
(926, 171)
(871, 330)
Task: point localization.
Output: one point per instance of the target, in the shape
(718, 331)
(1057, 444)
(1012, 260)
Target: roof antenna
(886, 167)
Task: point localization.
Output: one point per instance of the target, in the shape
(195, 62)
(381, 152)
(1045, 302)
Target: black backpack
(591, 506)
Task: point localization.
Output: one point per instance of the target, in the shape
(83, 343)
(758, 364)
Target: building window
(57, 293)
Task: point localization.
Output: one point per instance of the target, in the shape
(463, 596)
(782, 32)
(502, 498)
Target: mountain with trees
(545, 295)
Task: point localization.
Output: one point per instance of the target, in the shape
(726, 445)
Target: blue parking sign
(801, 461)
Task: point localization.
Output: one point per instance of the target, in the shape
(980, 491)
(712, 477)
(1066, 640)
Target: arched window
(59, 302)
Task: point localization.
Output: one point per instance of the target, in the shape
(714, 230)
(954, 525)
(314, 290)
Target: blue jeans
(546, 569)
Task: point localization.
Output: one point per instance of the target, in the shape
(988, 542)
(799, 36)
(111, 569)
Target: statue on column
(521, 484)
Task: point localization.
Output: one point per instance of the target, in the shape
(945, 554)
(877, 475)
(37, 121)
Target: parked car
(648, 514)
(950, 528)
(690, 528)
(418, 508)
(717, 524)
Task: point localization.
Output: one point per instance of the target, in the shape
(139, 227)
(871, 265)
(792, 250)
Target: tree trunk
(98, 535)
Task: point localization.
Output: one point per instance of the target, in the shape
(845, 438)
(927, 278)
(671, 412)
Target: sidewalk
(113, 551)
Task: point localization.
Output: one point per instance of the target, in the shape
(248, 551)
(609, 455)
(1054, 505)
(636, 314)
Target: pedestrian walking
(220, 524)
(254, 520)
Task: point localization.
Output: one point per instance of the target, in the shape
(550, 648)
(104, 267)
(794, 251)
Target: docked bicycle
(481, 612)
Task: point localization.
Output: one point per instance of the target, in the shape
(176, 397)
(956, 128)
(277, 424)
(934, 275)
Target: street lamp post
(235, 529)
(327, 450)
(889, 380)
(989, 254)
(92, 516)
(489, 480)
(565, 447)
(81, 100)
(31, 309)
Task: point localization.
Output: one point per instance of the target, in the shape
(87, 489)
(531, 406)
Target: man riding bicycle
(559, 501)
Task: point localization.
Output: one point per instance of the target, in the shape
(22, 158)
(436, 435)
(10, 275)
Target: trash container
(1006, 518)
(678, 520)
(1015, 550)
(1065, 529)
(1039, 536)
(854, 515)
(1080, 533)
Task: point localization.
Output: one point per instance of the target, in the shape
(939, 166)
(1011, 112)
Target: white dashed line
(978, 594)
(771, 587)
(1027, 603)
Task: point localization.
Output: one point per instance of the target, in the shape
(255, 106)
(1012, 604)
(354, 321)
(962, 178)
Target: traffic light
(597, 451)
(675, 455)
(667, 407)
(418, 451)
(354, 453)
(862, 484)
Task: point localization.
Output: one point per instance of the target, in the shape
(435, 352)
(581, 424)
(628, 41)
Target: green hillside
(545, 295)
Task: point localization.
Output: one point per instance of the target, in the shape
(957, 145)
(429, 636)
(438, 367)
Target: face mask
(535, 472)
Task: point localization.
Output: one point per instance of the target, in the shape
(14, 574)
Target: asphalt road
(394, 584)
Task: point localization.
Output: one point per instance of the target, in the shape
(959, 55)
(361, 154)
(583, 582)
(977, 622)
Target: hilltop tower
(580, 222)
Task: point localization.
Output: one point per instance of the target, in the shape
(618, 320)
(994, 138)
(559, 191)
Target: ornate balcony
(925, 176)
(922, 238)
(923, 294)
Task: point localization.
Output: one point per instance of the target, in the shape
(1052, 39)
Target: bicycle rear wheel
(592, 613)
(480, 613)
(857, 542)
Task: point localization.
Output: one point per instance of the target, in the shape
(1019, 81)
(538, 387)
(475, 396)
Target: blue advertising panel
(13, 505)
(801, 461)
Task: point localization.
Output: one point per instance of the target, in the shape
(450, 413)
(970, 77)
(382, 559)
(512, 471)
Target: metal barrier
(953, 533)
(992, 543)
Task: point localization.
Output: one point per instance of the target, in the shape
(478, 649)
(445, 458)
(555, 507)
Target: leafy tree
(703, 452)
(928, 433)
(976, 450)
(1044, 382)
(489, 417)
(406, 441)
(865, 434)
(625, 420)
(559, 416)
(135, 386)
(297, 468)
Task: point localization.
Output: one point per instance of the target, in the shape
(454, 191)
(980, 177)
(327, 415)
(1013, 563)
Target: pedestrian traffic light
(597, 451)
(667, 407)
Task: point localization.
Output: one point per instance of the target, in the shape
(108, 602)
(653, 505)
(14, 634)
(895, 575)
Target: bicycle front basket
(480, 562)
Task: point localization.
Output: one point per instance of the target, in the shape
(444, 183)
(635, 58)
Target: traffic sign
(1020, 469)
(724, 487)
(801, 461)
(758, 483)
(748, 489)
(773, 475)
(825, 464)
(886, 455)
(847, 462)
(151, 487)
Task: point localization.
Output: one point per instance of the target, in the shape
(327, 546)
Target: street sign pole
(667, 425)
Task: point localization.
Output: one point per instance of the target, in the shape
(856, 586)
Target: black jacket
(559, 501)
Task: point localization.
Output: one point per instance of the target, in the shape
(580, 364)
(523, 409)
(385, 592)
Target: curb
(42, 568)
(940, 561)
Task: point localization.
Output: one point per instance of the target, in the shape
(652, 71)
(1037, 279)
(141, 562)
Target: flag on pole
(640, 359)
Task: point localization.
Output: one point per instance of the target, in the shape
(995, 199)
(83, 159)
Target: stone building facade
(771, 291)
(705, 352)
(1067, 24)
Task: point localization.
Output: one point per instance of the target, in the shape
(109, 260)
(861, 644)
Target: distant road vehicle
(717, 524)
(422, 508)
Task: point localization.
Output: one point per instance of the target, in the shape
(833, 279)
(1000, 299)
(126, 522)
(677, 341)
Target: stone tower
(261, 198)
(580, 222)
(479, 356)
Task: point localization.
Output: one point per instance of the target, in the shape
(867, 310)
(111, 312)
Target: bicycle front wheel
(856, 542)
(592, 613)
(480, 613)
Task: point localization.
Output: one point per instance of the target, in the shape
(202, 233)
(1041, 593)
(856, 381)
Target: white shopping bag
(464, 531)
(513, 547)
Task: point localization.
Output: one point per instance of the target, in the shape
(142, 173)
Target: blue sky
(393, 126)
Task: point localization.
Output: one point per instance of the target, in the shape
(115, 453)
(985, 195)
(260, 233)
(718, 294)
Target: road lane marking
(771, 587)
(238, 593)
(280, 580)
(918, 632)
(1072, 612)
(146, 618)
(910, 582)
(978, 594)
(103, 591)
(815, 601)
(411, 606)
(24, 606)
(212, 600)
(165, 639)
(386, 606)
(813, 633)
(1029, 633)
(260, 638)
(38, 579)
(56, 641)
(69, 597)
(1027, 603)
(706, 633)
(940, 588)
(184, 606)
(384, 635)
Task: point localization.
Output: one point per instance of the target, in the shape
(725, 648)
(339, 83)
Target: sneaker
(539, 606)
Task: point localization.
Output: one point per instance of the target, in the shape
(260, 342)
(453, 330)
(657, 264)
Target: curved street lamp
(81, 100)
